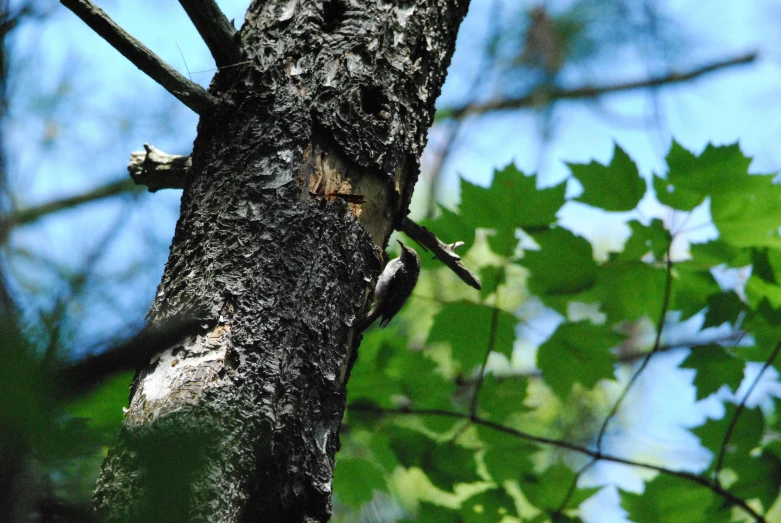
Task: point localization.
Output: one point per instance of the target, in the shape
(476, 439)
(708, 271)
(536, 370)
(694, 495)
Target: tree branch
(32, 214)
(82, 375)
(596, 454)
(158, 170)
(624, 358)
(443, 251)
(217, 32)
(538, 98)
(189, 93)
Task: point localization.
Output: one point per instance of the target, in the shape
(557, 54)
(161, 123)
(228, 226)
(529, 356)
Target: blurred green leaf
(512, 201)
(103, 407)
(507, 457)
(509, 463)
(491, 277)
(563, 267)
(429, 512)
(724, 307)
(355, 481)
(759, 477)
(675, 500)
(547, 491)
(746, 434)
(653, 238)
(470, 329)
(501, 398)
(614, 187)
(692, 287)
(762, 266)
(715, 367)
(445, 463)
(489, 506)
(577, 352)
(716, 252)
(628, 290)
(388, 370)
(745, 208)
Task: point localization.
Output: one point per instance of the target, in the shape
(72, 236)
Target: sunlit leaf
(653, 238)
(577, 352)
(548, 491)
(715, 367)
(445, 463)
(472, 329)
(512, 201)
(675, 500)
(489, 506)
(355, 481)
(562, 268)
(615, 187)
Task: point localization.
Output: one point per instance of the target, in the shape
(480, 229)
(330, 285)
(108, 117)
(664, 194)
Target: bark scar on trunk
(325, 173)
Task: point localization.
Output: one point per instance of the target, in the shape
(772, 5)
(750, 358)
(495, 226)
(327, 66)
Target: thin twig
(734, 338)
(215, 29)
(535, 99)
(31, 214)
(573, 487)
(734, 421)
(657, 345)
(478, 382)
(189, 93)
(443, 251)
(596, 454)
(489, 348)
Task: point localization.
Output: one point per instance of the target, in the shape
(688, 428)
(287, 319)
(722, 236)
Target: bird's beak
(402, 245)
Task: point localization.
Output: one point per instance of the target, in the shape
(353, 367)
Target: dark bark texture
(240, 421)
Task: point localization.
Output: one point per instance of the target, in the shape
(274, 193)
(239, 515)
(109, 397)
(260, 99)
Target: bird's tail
(370, 318)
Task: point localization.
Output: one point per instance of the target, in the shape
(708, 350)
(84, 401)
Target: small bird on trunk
(394, 287)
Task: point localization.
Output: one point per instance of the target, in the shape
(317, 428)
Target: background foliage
(490, 449)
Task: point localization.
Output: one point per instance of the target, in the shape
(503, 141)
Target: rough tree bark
(240, 421)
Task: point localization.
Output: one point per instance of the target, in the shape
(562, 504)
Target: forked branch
(189, 93)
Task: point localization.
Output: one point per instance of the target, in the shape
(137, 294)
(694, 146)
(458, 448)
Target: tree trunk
(276, 254)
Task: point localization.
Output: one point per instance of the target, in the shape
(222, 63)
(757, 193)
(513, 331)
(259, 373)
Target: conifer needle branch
(189, 93)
